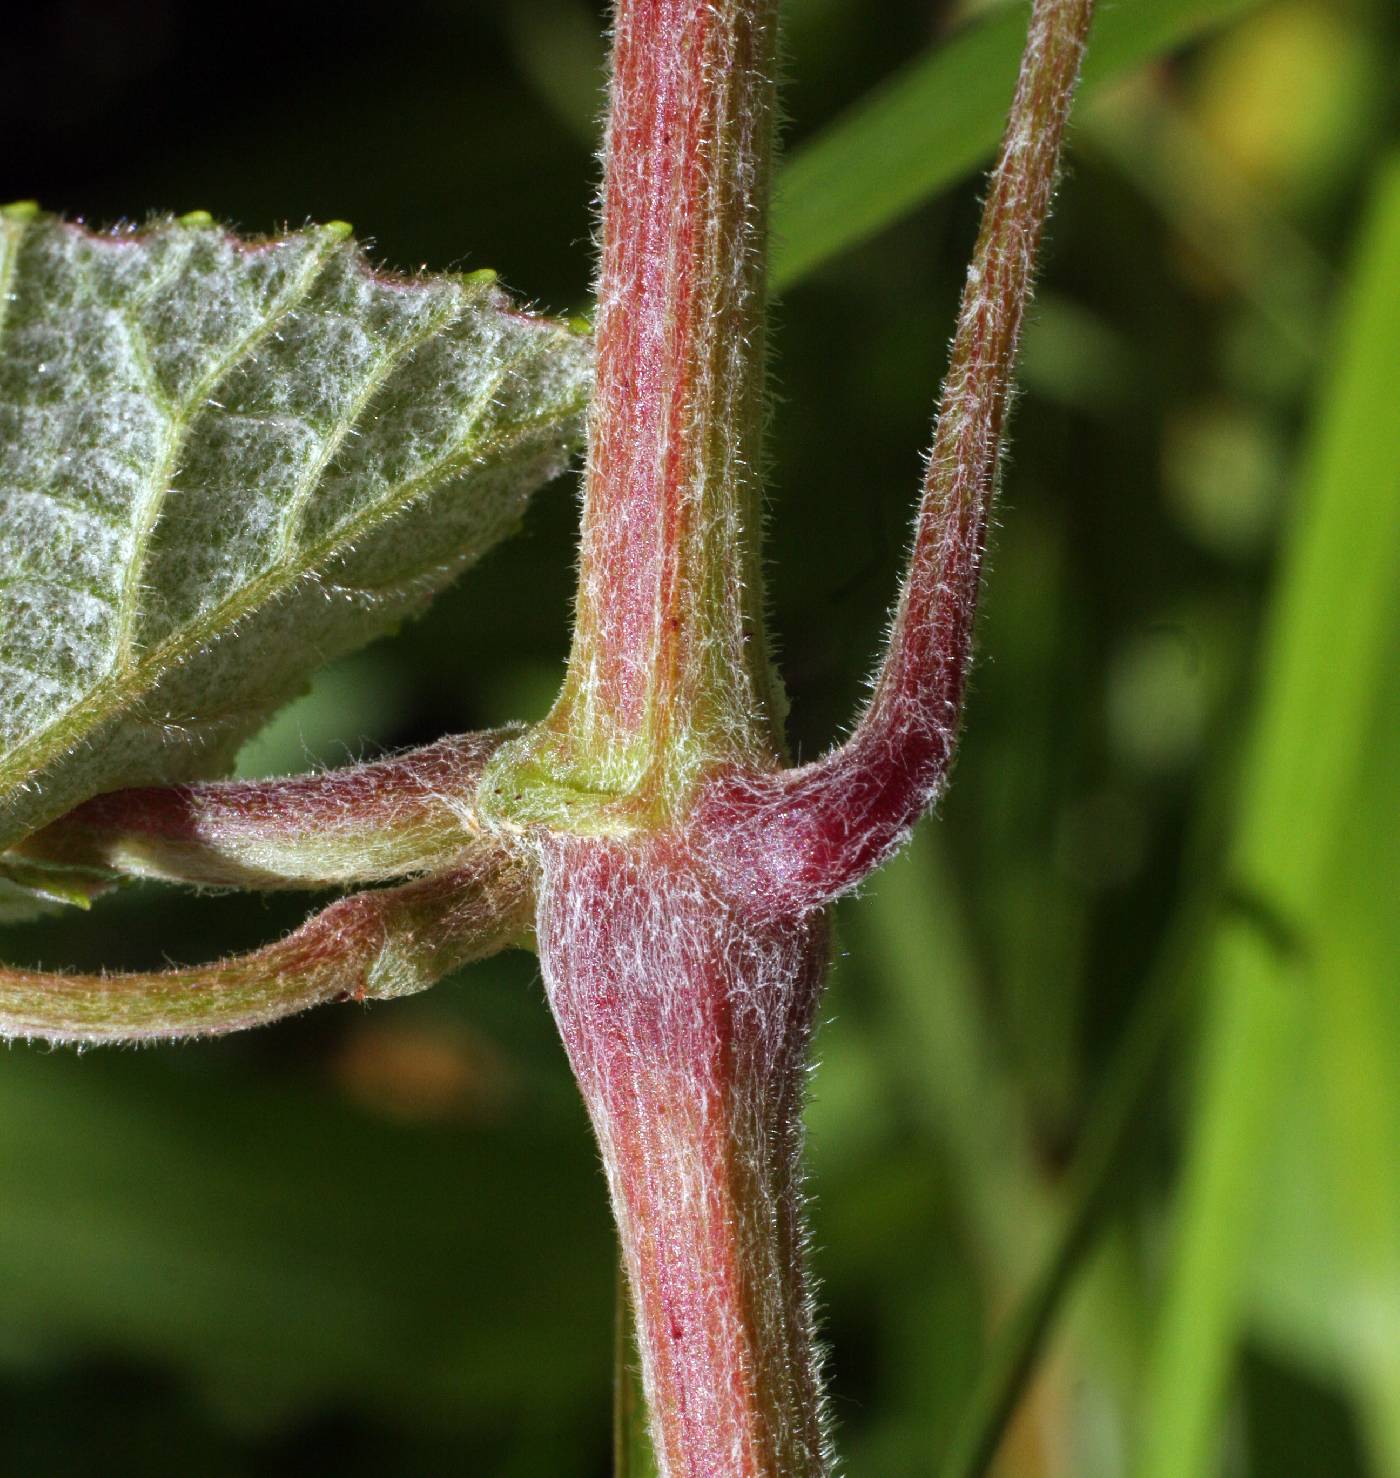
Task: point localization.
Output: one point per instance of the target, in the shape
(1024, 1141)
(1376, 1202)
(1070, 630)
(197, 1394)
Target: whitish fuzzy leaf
(223, 462)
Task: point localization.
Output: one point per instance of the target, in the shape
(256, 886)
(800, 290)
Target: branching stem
(371, 946)
(669, 669)
(683, 874)
(676, 876)
(800, 837)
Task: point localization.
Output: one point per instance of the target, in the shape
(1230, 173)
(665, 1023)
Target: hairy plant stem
(677, 875)
(686, 1022)
(669, 671)
(683, 874)
(816, 831)
(687, 1028)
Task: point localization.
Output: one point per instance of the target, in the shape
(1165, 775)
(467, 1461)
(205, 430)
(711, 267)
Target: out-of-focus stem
(633, 1456)
(803, 836)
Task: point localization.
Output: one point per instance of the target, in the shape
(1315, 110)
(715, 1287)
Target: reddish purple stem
(680, 941)
(793, 840)
(389, 818)
(668, 640)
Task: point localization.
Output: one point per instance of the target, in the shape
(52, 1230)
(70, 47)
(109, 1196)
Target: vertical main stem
(686, 1025)
(687, 1029)
(682, 952)
(669, 665)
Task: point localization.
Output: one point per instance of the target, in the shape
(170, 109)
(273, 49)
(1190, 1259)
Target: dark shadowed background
(375, 1241)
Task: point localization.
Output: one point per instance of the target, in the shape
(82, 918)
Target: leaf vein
(149, 510)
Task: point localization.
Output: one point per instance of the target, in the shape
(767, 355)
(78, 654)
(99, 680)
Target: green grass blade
(1358, 942)
(938, 119)
(1101, 1168)
(1251, 1035)
(944, 1057)
(1331, 626)
(1325, 666)
(1358, 1046)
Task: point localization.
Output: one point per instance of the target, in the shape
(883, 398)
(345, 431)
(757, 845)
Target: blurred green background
(1112, 1053)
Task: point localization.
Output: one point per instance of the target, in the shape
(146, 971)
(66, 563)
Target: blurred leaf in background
(378, 1240)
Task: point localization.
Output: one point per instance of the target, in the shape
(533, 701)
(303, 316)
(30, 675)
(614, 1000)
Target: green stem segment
(413, 813)
(373, 945)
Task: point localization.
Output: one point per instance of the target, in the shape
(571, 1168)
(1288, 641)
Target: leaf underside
(224, 462)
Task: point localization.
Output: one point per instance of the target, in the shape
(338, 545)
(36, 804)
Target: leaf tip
(20, 210)
(195, 219)
(341, 230)
(482, 277)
